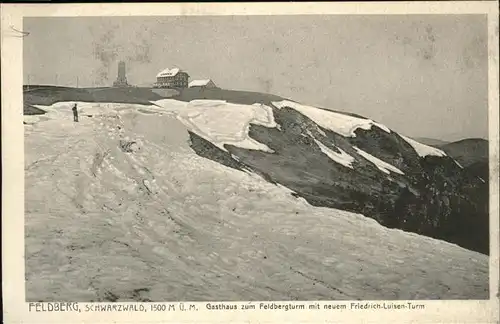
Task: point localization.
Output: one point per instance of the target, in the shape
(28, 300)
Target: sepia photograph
(257, 158)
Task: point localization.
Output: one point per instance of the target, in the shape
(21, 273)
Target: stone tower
(121, 80)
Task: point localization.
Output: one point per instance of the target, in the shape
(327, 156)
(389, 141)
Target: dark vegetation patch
(30, 110)
(208, 150)
(233, 96)
(48, 95)
(480, 169)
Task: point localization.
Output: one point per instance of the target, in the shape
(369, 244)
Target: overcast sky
(424, 76)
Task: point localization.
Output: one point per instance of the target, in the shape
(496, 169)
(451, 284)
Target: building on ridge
(172, 78)
(202, 84)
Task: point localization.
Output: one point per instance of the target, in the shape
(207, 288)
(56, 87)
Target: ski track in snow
(164, 224)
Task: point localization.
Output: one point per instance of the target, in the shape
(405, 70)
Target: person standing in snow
(75, 113)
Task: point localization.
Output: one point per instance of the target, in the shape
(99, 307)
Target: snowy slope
(161, 223)
(342, 161)
(339, 123)
(422, 149)
(331, 159)
(221, 122)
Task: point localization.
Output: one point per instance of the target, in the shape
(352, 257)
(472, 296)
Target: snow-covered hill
(342, 161)
(120, 207)
(176, 201)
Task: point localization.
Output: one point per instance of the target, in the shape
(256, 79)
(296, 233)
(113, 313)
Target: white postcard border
(16, 310)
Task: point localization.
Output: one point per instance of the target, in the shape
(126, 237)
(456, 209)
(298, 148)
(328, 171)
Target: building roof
(169, 72)
(199, 83)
